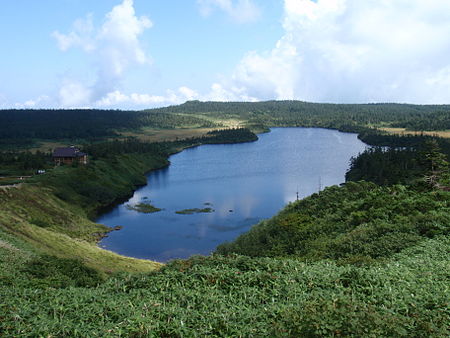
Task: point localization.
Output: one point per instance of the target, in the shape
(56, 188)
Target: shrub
(61, 272)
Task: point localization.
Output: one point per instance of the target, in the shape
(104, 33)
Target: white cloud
(188, 93)
(117, 98)
(74, 94)
(330, 51)
(242, 11)
(226, 93)
(40, 101)
(80, 36)
(217, 92)
(114, 48)
(354, 51)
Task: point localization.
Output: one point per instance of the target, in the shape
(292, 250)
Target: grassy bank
(32, 214)
(404, 293)
(103, 182)
(53, 212)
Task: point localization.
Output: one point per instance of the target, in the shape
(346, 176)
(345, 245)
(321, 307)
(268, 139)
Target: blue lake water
(244, 183)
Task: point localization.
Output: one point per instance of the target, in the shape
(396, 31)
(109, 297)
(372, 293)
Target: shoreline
(111, 207)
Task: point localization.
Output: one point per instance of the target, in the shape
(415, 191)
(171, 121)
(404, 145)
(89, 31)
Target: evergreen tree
(437, 175)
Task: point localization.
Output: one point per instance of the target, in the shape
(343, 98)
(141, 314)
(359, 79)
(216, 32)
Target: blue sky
(146, 53)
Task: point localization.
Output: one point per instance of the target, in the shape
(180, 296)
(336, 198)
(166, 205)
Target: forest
(17, 162)
(399, 165)
(306, 114)
(24, 127)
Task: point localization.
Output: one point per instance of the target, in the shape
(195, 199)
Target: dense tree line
(386, 166)
(62, 124)
(408, 160)
(88, 124)
(24, 161)
(380, 139)
(437, 120)
(130, 145)
(234, 135)
(21, 126)
(298, 113)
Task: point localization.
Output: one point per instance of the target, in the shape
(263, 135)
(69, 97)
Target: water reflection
(159, 178)
(242, 183)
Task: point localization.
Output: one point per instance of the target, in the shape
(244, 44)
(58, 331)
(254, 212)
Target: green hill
(357, 290)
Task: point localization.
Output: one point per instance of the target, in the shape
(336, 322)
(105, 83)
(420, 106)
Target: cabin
(69, 156)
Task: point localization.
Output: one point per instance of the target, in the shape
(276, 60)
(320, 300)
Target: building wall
(83, 159)
(70, 160)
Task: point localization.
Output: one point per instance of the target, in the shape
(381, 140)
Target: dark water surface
(243, 183)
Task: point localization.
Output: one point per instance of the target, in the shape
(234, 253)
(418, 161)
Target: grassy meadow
(404, 131)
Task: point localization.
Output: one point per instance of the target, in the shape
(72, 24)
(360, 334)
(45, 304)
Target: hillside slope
(400, 294)
(33, 214)
(356, 223)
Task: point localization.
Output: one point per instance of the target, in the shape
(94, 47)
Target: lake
(242, 184)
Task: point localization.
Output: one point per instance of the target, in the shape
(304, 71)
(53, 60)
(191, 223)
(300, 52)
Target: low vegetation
(33, 215)
(403, 294)
(145, 208)
(194, 211)
(403, 131)
(356, 223)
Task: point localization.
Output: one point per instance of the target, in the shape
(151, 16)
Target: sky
(137, 54)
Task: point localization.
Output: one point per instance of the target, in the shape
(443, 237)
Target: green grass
(145, 208)
(52, 212)
(194, 211)
(51, 226)
(35, 205)
(242, 297)
(104, 180)
(55, 285)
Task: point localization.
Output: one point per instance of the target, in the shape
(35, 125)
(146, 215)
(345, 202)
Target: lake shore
(261, 196)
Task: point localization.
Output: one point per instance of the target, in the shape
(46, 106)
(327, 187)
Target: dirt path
(10, 186)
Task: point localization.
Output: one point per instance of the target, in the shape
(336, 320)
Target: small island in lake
(145, 208)
(194, 211)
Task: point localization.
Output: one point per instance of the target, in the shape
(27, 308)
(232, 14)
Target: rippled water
(242, 183)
